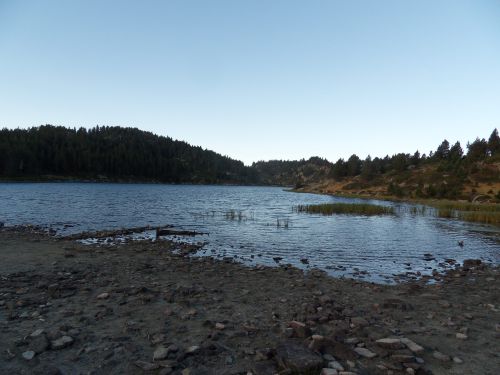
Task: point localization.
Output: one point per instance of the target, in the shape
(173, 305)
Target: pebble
(328, 357)
(192, 349)
(351, 340)
(457, 360)
(36, 333)
(461, 336)
(440, 356)
(29, 355)
(414, 347)
(300, 329)
(389, 343)
(160, 353)
(359, 321)
(219, 326)
(329, 371)
(103, 296)
(336, 365)
(365, 352)
(62, 342)
(146, 366)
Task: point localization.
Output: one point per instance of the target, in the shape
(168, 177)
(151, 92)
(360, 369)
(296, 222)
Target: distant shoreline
(60, 179)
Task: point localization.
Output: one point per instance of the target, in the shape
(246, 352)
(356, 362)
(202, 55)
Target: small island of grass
(346, 208)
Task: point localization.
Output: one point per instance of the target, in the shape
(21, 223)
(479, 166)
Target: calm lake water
(374, 248)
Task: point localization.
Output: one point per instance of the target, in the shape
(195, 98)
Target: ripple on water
(264, 225)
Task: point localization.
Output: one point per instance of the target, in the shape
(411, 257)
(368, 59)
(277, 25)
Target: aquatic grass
(465, 206)
(346, 208)
(235, 215)
(282, 223)
(480, 217)
(446, 213)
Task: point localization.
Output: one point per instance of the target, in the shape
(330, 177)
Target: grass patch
(465, 206)
(480, 217)
(346, 208)
(487, 213)
(486, 217)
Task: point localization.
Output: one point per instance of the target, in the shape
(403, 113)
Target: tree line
(451, 158)
(113, 153)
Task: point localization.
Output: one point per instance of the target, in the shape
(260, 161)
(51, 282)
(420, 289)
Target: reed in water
(346, 208)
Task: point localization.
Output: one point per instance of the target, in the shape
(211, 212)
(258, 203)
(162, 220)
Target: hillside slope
(112, 153)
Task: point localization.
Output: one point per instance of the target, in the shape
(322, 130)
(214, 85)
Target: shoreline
(144, 307)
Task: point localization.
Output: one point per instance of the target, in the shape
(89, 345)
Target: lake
(257, 224)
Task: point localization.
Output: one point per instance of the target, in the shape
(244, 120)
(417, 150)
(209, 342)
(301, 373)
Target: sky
(258, 79)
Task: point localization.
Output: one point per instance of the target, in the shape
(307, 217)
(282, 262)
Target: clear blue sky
(258, 79)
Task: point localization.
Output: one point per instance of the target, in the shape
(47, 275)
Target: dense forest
(112, 153)
(128, 154)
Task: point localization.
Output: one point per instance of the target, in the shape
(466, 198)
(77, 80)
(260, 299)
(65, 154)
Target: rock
(37, 332)
(359, 321)
(29, 355)
(336, 365)
(389, 343)
(414, 347)
(146, 366)
(395, 303)
(289, 332)
(351, 340)
(298, 358)
(300, 329)
(461, 336)
(160, 353)
(329, 371)
(440, 356)
(328, 357)
(470, 263)
(192, 349)
(317, 342)
(103, 296)
(402, 358)
(173, 348)
(62, 342)
(363, 352)
(39, 344)
(457, 360)
(219, 326)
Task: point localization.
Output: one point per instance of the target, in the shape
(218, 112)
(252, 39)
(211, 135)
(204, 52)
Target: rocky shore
(148, 307)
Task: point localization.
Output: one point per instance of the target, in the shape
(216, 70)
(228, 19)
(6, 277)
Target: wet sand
(147, 307)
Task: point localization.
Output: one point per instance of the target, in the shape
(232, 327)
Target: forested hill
(112, 154)
(293, 172)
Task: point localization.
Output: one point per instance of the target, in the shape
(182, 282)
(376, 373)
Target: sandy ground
(140, 308)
